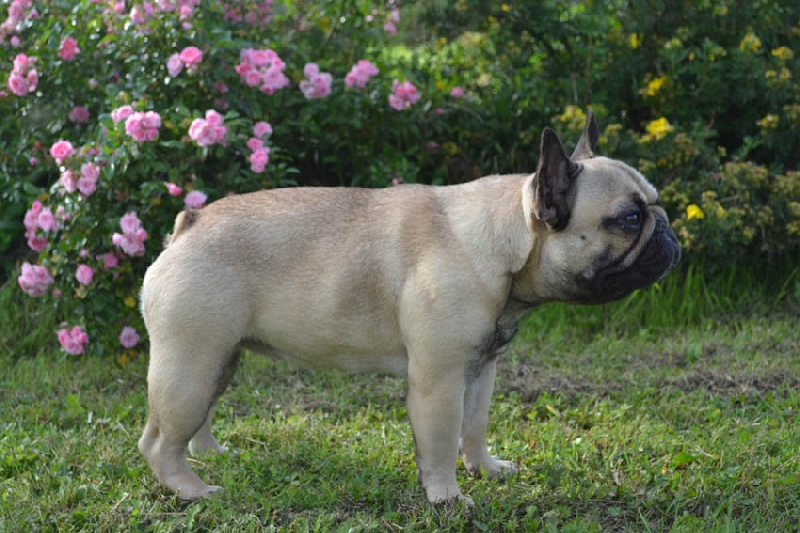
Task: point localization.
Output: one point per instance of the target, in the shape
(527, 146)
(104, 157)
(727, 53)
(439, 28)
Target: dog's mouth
(619, 279)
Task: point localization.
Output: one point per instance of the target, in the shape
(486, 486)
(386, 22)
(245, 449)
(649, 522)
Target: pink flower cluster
(34, 279)
(69, 49)
(263, 69)
(259, 12)
(403, 96)
(85, 182)
(133, 235)
(128, 338)
(260, 156)
(24, 77)
(317, 84)
(39, 217)
(209, 130)
(390, 26)
(143, 126)
(18, 12)
(141, 14)
(360, 74)
(73, 339)
(190, 57)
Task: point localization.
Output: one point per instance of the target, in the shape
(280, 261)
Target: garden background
(116, 115)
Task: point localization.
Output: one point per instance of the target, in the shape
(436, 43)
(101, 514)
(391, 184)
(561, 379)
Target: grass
(626, 417)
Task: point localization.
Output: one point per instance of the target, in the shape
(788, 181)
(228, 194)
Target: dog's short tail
(183, 222)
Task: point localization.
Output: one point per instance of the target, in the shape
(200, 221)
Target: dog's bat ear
(555, 173)
(587, 144)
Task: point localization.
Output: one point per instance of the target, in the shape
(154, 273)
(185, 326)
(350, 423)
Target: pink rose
(37, 244)
(261, 129)
(173, 189)
(404, 95)
(121, 113)
(143, 126)
(195, 199)
(262, 68)
(73, 340)
(133, 235)
(47, 221)
(69, 49)
(317, 84)
(174, 65)
(79, 115)
(209, 130)
(457, 92)
(68, 181)
(191, 55)
(34, 279)
(360, 74)
(62, 150)
(259, 160)
(23, 78)
(128, 337)
(130, 223)
(84, 274)
(109, 260)
(255, 144)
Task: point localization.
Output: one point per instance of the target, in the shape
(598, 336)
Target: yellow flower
(769, 122)
(129, 301)
(694, 211)
(657, 130)
(633, 40)
(655, 85)
(750, 42)
(440, 85)
(505, 8)
(783, 53)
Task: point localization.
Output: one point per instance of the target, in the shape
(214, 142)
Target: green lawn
(682, 428)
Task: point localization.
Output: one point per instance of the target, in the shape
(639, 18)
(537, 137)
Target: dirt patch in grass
(533, 382)
(732, 384)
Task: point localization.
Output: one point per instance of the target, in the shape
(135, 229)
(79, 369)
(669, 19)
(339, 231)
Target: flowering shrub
(125, 113)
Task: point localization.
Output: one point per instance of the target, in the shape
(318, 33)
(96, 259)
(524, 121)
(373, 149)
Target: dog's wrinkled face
(608, 235)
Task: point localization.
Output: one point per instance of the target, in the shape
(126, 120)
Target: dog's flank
(423, 282)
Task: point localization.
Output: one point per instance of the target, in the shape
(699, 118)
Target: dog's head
(601, 233)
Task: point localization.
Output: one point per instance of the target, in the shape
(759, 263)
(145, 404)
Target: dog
(418, 281)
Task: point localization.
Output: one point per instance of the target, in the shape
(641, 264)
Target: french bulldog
(418, 281)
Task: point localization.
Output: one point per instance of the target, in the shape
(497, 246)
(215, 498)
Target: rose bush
(127, 112)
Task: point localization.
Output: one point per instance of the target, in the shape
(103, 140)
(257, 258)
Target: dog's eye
(632, 221)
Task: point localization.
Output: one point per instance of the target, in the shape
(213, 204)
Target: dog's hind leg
(184, 380)
(204, 440)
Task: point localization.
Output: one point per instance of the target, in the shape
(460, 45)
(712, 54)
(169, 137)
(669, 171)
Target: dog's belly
(394, 364)
(350, 343)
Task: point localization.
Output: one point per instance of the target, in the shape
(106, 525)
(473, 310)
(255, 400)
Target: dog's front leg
(477, 398)
(435, 408)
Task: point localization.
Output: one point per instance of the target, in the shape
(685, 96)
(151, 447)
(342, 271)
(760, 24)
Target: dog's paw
(197, 493)
(494, 467)
(499, 468)
(447, 493)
